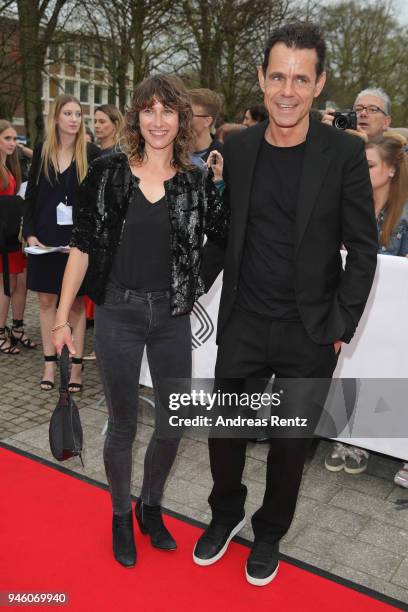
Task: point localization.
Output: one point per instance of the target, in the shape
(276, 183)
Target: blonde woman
(109, 125)
(388, 165)
(58, 166)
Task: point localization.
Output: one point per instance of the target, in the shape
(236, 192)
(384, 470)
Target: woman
(254, 114)
(139, 235)
(388, 166)
(10, 180)
(58, 166)
(108, 128)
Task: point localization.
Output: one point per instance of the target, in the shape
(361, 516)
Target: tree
(366, 48)
(38, 22)
(126, 33)
(226, 42)
(10, 84)
(246, 27)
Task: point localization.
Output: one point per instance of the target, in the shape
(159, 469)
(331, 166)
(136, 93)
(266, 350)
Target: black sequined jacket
(195, 209)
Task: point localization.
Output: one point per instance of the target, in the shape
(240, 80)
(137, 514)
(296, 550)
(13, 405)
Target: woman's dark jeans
(127, 322)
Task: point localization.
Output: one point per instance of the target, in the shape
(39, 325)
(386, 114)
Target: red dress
(17, 260)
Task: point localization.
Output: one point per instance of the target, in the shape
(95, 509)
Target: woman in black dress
(58, 166)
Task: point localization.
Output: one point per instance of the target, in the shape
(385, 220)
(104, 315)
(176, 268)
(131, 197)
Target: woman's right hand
(33, 241)
(215, 161)
(62, 337)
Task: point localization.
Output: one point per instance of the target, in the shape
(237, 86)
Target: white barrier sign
(379, 348)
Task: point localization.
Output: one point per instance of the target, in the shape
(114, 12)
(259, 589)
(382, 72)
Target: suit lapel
(315, 166)
(242, 179)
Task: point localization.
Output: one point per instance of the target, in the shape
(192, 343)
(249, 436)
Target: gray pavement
(348, 525)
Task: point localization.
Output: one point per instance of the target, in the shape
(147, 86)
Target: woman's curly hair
(169, 90)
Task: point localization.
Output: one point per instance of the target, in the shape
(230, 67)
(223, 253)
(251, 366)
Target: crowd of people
(387, 161)
(128, 215)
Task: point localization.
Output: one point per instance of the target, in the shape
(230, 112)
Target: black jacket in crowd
(34, 177)
(195, 210)
(334, 208)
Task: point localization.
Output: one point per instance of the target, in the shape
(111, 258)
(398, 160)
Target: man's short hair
(208, 99)
(380, 93)
(298, 35)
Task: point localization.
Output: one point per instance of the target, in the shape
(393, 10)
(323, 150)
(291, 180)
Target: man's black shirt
(266, 284)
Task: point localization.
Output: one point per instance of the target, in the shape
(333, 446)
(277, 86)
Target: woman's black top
(39, 191)
(195, 209)
(61, 187)
(142, 260)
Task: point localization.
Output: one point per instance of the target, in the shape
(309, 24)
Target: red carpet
(55, 536)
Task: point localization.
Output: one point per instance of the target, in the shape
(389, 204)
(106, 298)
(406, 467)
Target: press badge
(64, 214)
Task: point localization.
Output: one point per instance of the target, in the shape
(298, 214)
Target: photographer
(373, 109)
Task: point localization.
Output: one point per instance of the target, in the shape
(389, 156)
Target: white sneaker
(356, 460)
(401, 477)
(335, 459)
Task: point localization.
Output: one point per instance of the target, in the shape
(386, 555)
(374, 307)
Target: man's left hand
(337, 346)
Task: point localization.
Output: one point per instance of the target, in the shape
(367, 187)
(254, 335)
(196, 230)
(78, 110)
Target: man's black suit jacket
(334, 208)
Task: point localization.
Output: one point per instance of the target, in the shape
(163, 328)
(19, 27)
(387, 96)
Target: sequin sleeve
(217, 214)
(85, 221)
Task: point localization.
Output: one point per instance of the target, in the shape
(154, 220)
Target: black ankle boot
(151, 522)
(124, 547)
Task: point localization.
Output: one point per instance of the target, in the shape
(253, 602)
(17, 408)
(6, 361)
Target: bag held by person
(11, 210)
(65, 430)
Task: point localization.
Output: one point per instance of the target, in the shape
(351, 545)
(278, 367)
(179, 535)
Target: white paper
(64, 214)
(22, 190)
(36, 250)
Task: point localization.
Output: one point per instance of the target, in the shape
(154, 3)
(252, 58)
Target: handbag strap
(64, 369)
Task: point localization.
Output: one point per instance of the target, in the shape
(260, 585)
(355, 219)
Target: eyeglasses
(370, 110)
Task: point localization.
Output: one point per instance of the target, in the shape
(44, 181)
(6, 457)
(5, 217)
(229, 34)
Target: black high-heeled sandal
(74, 387)
(17, 334)
(48, 385)
(4, 337)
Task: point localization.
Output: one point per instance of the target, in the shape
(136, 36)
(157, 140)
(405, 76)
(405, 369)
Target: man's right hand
(328, 116)
(33, 241)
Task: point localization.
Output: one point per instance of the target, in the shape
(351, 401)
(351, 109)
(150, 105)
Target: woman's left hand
(215, 161)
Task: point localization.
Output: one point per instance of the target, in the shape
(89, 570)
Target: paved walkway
(348, 525)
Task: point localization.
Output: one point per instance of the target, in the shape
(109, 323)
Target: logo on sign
(202, 326)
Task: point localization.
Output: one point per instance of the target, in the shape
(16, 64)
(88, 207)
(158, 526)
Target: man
(373, 108)
(298, 190)
(206, 108)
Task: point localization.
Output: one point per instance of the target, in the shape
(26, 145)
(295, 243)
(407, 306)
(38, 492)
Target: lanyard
(62, 177)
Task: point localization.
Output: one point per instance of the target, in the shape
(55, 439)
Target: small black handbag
(65, 430)
(11, 211)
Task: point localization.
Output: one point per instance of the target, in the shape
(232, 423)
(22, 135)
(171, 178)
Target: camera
(345, 120)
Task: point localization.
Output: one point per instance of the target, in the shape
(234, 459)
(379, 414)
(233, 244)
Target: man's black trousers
(252, 347)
